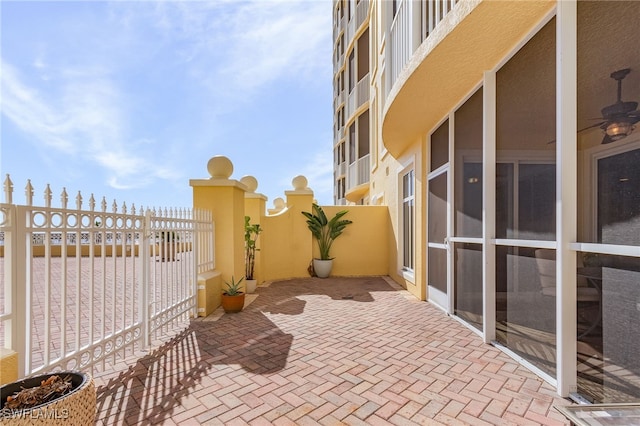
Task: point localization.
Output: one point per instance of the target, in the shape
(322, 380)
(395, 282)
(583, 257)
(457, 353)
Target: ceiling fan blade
(606, 139)
(592, 126)
(582, 130)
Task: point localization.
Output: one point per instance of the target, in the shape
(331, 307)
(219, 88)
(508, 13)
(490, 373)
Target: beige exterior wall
(467, 41)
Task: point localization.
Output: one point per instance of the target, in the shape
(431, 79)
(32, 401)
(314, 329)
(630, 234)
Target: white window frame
(407, 273)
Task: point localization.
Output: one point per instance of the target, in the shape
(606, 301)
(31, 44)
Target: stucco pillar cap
(220, 167)
(250, 182)
(299, 182)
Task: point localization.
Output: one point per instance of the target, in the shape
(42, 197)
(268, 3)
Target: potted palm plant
(251, 232)
(325, 231)
(233, 297)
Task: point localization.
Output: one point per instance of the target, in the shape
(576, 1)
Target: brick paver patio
(333, 351)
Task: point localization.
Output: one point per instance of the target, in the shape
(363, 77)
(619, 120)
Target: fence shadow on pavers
(208, 353)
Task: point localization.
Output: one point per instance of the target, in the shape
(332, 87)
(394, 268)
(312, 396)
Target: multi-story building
(500, 134)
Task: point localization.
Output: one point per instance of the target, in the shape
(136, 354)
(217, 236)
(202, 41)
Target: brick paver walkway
(333, 351)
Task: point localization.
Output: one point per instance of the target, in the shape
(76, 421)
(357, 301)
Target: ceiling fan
(619, 118)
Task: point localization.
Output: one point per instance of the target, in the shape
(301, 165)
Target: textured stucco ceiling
(480, 34)
(473, 38)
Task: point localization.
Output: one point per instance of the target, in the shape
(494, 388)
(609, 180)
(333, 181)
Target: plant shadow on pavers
(149, 391)
(211, 354)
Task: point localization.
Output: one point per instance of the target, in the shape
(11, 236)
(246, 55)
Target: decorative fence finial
(8, 190)
(28, 192)
(47, 196)
(64, 198)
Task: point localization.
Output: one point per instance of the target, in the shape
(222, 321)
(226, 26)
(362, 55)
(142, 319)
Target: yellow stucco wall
(209, 292)
(386, 181)
(362, 249)
(8, 366)
(286, 242)
(225, 199)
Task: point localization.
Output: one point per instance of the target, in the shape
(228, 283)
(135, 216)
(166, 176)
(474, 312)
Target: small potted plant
(233, 297)
(325, 232)
(251, 232)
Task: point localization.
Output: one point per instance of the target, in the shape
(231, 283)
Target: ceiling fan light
(619, 129)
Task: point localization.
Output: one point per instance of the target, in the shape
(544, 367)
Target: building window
(408, 221)
(341, 188)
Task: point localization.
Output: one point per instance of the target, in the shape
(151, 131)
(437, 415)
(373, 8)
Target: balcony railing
(358, 96)
(359, 172)
(338, 27)
(401, 37)
(362, 12)
(362, 91)
(356, 21)
(338, 64)
(338, 100)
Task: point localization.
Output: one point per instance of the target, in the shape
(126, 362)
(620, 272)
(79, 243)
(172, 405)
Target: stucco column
(224, 197)
(299, 200)
(254, 207)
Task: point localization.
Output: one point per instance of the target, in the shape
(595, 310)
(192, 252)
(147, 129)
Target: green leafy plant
(233, 287)
(325, 231)
(251, 232)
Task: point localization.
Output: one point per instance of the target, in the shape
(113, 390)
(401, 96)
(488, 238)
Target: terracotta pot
(78, 407)
(232, 304)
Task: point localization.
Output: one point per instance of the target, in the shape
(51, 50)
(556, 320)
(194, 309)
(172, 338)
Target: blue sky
(129, 100)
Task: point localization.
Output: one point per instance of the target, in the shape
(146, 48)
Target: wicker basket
(77, 407)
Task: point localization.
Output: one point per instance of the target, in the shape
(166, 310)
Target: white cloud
(87, 120)
(277, 39)
(236, 48)
(120, 93)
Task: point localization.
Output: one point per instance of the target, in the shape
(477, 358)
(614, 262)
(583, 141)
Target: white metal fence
(85, 289)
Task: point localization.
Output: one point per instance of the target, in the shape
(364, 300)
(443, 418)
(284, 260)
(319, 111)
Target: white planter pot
(322, 268)
(251, 285)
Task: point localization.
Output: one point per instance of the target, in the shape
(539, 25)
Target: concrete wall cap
(217, 182)
(299, 192)
(253, 195)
